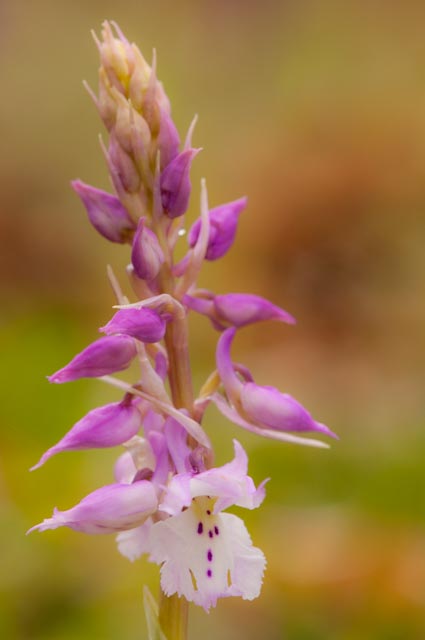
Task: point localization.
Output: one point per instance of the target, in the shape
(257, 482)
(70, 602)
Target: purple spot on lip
(208, 512)
(210, 533)
(209, 573)
(200, 528)
(216, 530)
(209, 555)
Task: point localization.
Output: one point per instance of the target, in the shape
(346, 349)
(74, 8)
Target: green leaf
(152, 616)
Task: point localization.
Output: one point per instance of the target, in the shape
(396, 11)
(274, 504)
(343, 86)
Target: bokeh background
(316, 111)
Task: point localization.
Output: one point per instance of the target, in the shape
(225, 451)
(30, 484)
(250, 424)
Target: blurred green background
(316, 111)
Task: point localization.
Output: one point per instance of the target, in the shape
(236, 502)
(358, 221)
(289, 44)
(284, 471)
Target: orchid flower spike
(169, 497)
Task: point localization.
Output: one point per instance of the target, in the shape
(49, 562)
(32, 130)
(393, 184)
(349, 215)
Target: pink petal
(100, 358)
(113, 508)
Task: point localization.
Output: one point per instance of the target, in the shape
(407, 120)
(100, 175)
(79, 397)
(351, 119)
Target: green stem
(173, 616)
(179, 365)
(174, 610)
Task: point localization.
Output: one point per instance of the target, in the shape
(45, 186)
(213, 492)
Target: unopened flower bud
(223, 226)
(122, 167)
(139, 80)
(106, 104)
(146, 255)
(106, 426)
(144, 324)
(116, 57)
(175, 183)
(168, 140)
(155, 100)
(129, 123)
(161, 98)
(102, 357)
(105, 212)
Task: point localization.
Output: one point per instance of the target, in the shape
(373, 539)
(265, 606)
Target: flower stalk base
(173, 616)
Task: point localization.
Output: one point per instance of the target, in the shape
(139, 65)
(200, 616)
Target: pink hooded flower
(105, 212)
(223, 226)
(115, 507)
(261, 409)
(102, 427)
(235, 309)
(175, 183)
(100, 358)
(204, 554)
